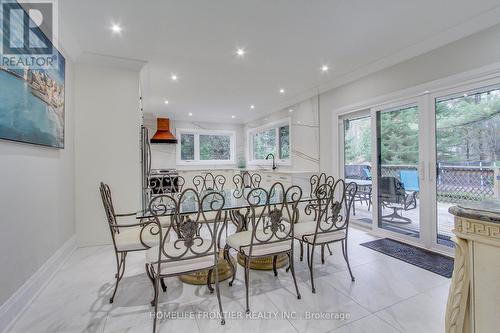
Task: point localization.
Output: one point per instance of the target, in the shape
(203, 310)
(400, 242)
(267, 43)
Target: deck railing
(456, 184)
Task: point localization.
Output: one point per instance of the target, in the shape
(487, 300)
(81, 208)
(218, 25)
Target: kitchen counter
(474, 295)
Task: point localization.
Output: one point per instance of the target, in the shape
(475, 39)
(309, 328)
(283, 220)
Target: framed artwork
(32, 94)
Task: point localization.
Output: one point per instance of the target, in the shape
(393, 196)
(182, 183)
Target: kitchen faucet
(272, 155)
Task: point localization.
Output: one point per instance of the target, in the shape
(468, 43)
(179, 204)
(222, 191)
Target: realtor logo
(28, 33)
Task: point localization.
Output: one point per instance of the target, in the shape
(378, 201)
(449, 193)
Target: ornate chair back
(107, 202)
(272, 215)
(317, 180)
(191, 232)
(332, 207)
(245, 180)
(209, 182)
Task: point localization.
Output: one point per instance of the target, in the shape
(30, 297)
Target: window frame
(276, 126)
(197, 133)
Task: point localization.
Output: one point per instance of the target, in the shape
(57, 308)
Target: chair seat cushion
(308, 228)
(241, 240)
(185, 259)
(129, 239)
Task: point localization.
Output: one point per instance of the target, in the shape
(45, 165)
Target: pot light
(190, 114)
(252, 106)
(240, 52)
(166, 101)
(174, 77)
(116, 28)
(325, 68)
(233, 116)
(290, 110)
(282, 91)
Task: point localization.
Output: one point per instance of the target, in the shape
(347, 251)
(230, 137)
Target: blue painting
(32, 97)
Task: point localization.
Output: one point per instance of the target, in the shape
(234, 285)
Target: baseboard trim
(29, 291)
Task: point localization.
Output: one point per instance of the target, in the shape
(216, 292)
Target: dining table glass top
(233, 199)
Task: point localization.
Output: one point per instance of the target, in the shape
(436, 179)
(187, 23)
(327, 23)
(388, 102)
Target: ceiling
(286, 43)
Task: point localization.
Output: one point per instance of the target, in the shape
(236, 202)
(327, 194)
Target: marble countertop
(488, 210)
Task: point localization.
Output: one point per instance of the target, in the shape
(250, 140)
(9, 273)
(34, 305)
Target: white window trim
(197, 133)
(276, 124)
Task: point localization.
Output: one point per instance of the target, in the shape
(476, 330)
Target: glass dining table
(236, 202)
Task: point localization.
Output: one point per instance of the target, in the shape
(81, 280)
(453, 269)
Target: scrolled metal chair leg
(346, 257)
(301, 250)
(163, 285)
(329, 250)
(157, 282)
(228, 260)
(120, 270)
(322, 254)
(209, 281)
(292, 270)
(275, 270)
(311, 270)
(217, 291)
(247, 282)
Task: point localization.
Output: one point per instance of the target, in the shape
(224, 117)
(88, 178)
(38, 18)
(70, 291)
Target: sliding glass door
(398, 155)
(357, 155)
(428, 153)
(467, 134)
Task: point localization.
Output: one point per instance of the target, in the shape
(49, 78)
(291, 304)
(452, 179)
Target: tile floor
(387, 296)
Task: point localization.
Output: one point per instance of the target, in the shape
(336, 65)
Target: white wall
(107, 127)
(472, 52)
(304, 136)
(163, 156)
(36, 201)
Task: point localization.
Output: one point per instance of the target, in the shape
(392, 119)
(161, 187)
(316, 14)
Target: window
(205, 147)
(270, 139)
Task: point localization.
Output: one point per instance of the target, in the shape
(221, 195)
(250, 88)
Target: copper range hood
(163, 134)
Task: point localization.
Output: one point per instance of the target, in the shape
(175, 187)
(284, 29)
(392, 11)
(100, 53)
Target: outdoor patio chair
(392, 194)
(409, 178)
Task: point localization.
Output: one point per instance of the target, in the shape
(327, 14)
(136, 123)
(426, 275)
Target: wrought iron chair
(126, 237)
(315, 182)
(209, 182)
(393, 195)
(193, 247)
(271, 231)
(331, 210)
(245, 180)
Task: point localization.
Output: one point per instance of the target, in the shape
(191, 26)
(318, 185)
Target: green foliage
(284, 148)
(215, 147)
(399, 136)
(468, 128)
(357, 148)
(187, 146)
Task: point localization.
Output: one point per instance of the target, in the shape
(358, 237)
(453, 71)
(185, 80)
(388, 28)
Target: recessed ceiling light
(166, 101)
(325, 68)
(174, 77)
(290, 110)
(233, 116)
(116, 28)
(190, 114)
(252, 106)
(465, 95)
(240, 52)
(282, 91)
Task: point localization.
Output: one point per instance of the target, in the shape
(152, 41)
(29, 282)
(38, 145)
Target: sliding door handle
(421, 171)
(431, 172)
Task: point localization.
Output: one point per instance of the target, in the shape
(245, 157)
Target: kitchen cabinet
(474, 296)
